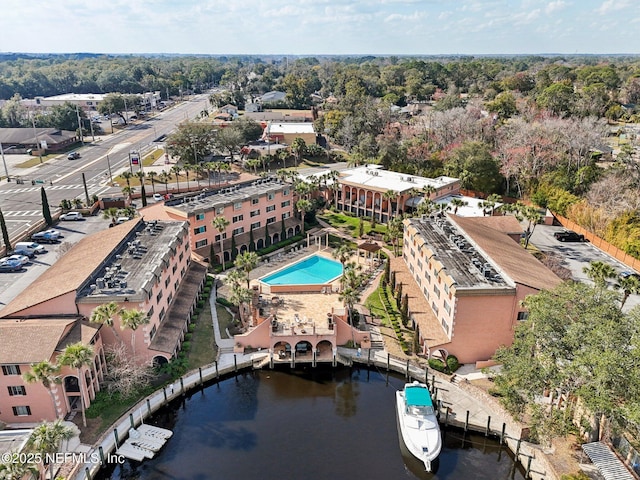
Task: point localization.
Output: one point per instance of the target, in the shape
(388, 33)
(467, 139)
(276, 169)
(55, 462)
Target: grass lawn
(33, 161)
(374, 304)
(203, 346)
(350, 224)
(225, 320)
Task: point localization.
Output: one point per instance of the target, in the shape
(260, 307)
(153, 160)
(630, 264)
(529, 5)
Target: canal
(305, 424)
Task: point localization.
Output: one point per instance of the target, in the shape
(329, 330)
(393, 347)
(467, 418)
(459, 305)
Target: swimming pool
(315, 270)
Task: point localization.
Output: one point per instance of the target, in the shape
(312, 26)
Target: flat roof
(375, 177)
(77, 97)
(473, 207)
(131, 269)
(290, 127)
(205, 201)
(460, 255)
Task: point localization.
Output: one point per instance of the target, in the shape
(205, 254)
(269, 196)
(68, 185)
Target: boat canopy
(417, 396)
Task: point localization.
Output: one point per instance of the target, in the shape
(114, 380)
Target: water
(316, 424)
(314, 270)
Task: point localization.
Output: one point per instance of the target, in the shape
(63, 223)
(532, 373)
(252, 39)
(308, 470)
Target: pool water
(315, 270)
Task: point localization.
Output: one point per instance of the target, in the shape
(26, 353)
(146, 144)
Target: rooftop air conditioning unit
(100, 282)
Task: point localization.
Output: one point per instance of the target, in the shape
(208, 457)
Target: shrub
(186, 346)
(452, 363)
(437, 364)
(188, 336)
(224, 302)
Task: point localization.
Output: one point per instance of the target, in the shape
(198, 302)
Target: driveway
(577, 255)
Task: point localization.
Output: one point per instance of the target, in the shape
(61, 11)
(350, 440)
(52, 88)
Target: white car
(23, 259)
(71, 216)
(157, 197)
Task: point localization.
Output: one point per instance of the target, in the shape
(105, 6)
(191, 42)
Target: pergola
(370, 248)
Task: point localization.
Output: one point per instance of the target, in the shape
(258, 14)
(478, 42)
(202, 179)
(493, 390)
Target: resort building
(28, 341)
(143, 266)
(370, 190)
(466, 279)
(286, 132)
(260, 213)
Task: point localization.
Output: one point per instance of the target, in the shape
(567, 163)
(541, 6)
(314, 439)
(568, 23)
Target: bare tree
(124, 376)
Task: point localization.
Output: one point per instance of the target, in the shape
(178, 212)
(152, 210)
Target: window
(255, 225)
(255, 201)
(523, 316)
(271, 208)
(181, 256)
(176, 285)
(237, 205)
(445, 325)
(162, 312)
(419, 265)
(436, 290)
(426, 292)
(224, 236)
(254, 213)
(150, 312)
(447, 308)
(270, 196)
(11, 369)
(411, 267)
(238, 218)
(166, 281)
(434, 307)
(17, 391)
(169, 298)
(21, 411)
(199, 230)
(159, 296)
(219, 210)
(175, 267)
(271, 220)
(413, 253)
(201, 243)
(285, 204)
(285, 192)
(446, 288)
(152, 333)
(286, 215)
(427, 277)
(199, 216)
(238, 231)
(418, 280)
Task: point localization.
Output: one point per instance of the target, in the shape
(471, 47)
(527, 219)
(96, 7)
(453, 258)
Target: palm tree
(599, 273)
(78, 356)
(298, 147)
(221, 224)
(110, 214)
(225, 167)
(132, 319)
(143, 195)
(208, 166)
(46, 439)
(128, 191)
(127, 176)
(457, 203)
(628, 284)
(105, 314)
(18, 470)
(46, 373)
(197, 171)
(247, 261)
(428, 190)
(187, 167)
(165, 177)
(217, 167)
(152, 176)
(303, 207)
(343, 253)
(176, 169)
(252, 163)
(388, 196)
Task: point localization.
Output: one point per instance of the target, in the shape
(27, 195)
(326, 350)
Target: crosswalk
(36, 188)
(22, 213)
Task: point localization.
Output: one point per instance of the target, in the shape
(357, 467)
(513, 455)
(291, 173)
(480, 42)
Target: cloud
(555, 6)
(612, 6)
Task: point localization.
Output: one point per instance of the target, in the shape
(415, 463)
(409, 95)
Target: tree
(176, 169)
(524, 212)
(629, 284)
(388, 196)
(133, 319)
(46, 211)
(119, 104)
(46, 373)
(152, 176)
(164, 178)
(18, 470)
(5, 233)
(124, 375)
(298, 147)
(599, 272)
(143, 194)
(247, 261)
(475, 166)
(303, 207)
(46, 439)
(457, 203)
(105, 315)
(221, 224)
(78, 356)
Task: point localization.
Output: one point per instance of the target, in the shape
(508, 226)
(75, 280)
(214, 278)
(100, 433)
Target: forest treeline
(532, 127)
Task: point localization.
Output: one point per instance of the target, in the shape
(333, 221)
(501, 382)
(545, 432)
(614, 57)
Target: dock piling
(486, 432)
(504, 428)
(466, 422)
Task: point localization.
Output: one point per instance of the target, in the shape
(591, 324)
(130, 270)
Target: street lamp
(4, 162)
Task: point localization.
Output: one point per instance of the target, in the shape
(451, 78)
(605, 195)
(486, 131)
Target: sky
(321, 27)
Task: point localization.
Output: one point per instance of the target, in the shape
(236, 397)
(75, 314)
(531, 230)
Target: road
(62, 179)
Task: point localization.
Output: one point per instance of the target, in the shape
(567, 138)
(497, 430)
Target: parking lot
(11, 284)
(576, 256)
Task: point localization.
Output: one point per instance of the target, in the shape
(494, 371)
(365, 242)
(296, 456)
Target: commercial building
(144, 266)
(260, 213)
(466, 279)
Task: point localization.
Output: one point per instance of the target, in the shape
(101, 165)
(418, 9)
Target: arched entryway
(282, 351)
(304, 349)
(243, 248)
(297, 230)
(159, 361)
(259, 244)
(289, 232)
(72, 391)
(276, 238)
(324, 350)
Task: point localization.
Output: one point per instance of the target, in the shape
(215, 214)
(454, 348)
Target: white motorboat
(418, 422)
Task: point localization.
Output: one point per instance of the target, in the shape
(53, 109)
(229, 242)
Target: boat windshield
(420, 410)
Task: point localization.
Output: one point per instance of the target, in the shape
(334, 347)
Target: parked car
(73, 156)
(629, 273)
(71, 216)
(568, 236)
(23, 259)
(27, 253)
(48, 236)
(158, 197)
(29, 249)
(7, 265)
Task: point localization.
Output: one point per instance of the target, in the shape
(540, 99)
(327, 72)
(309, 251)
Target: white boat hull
(421, 435)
